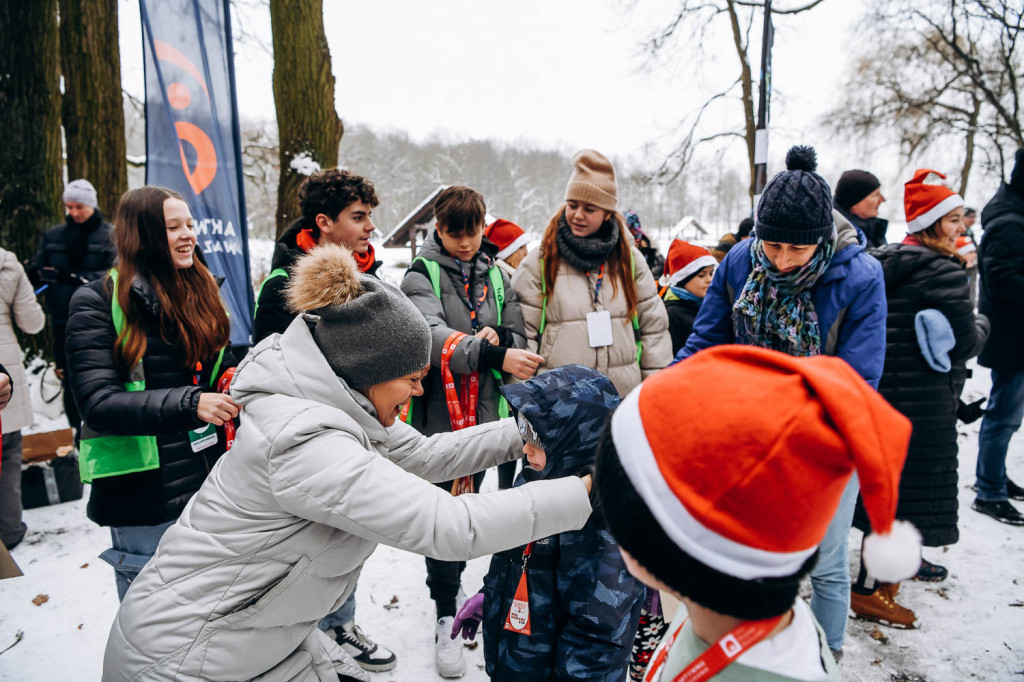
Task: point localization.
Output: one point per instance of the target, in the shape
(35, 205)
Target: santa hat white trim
(925, 220)
(691, 268)
(520, 241)
(705, 545)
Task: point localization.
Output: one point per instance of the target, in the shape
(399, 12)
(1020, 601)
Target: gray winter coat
(18, 306)
(276, 537)
(448, 314)
(565, 339)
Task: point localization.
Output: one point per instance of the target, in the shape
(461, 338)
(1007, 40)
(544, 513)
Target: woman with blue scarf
(689, 268)
(803, 285)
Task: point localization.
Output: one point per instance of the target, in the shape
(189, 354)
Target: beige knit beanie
(592, 181)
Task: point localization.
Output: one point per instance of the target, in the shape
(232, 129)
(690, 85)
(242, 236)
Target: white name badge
(599, 328)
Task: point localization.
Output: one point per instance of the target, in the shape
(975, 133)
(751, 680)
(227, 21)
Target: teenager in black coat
(924, 272)
(173, 337)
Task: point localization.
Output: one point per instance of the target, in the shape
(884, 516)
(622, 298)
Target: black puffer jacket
(1001, 263)
(77, 253)
(167, 408)
(918, 278)
(681, 315)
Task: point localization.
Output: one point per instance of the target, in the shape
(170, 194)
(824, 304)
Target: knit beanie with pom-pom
(368, 331)
(796, 206)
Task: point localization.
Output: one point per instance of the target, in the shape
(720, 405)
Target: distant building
(414, 228)
(688, 229)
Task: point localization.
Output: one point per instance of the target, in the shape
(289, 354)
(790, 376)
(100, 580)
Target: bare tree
(93, 107)
(688, 29)
(951, 77)
(308, 125)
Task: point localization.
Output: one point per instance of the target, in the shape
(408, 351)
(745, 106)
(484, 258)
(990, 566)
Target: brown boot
(881, 607)
(892, 588)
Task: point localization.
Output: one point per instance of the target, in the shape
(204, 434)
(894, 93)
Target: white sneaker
(448, 658)
(369, 655)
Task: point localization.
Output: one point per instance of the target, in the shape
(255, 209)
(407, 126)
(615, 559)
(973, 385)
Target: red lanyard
(597, 285)
(224, 386)
(469, 297)
(718, 656)
(461, 410)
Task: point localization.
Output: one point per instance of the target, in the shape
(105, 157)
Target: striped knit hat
(925, 204)
(729, 511)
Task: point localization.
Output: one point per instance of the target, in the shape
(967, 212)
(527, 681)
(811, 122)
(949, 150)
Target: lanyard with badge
(518, 618)
(461, 408)
(205, 436)
(469, 297)
(717, 657)
(599, 322)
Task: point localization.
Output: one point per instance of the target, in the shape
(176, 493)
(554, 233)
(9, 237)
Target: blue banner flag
(192, 139)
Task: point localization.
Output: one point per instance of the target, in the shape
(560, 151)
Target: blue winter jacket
(849, 299)
(584, 604)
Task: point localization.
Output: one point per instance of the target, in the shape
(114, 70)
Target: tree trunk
(30, 160)
(93, 106)
(972, 129)
(308, 125)
(747, 86)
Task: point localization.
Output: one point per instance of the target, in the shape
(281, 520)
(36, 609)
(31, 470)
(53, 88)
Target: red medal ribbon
(461, 410)
(718, 656)
(224, 386)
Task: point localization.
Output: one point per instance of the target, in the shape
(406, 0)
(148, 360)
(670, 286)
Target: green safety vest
(100, 456)
(276, 272)
(544, 310)
(498, 287)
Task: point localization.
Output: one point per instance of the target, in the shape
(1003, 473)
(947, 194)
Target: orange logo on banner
(179, 97)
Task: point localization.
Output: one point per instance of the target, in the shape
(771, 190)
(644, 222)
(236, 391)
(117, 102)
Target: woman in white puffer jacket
(321, 472)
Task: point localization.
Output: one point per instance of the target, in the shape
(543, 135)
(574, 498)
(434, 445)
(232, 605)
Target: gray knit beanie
(368, 331)
(796, 206)
(80, 192)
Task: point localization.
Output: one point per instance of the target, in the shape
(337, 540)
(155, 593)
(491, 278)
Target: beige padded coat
(565, 339)
(276, 537)
(18, 306)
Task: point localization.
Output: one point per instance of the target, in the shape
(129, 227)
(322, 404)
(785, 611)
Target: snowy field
(971, 626)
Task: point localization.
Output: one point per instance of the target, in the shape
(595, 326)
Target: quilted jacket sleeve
(526, 283)
(862, 333)
(98, 382)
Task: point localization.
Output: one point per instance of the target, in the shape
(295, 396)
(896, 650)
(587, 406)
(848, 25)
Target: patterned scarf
(775, 309)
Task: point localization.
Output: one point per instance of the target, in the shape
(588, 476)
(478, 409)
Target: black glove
(969, 413)
(583, 471)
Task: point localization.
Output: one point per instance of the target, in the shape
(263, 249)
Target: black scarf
(586, 253)
(80, 233)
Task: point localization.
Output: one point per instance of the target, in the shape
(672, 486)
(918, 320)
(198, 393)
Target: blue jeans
(1003, 416)
(132, 547)
(830, 578)
(345, 614)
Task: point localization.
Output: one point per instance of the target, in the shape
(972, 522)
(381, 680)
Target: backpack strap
(433, 272)
(276, 272)
(498, 287)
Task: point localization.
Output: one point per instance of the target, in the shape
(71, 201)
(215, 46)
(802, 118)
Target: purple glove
(469, 617)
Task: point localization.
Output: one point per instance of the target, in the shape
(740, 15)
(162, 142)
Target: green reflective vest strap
(101, 456)
(498, 287)
(544, 310)
(276, 272)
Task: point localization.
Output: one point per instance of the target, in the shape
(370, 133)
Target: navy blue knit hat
(796, 206)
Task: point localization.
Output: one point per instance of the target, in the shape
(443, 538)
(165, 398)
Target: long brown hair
(931, 238)
(619, 260)
(191, 311)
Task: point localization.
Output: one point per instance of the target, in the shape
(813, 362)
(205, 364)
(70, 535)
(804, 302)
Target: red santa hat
(744, 499)
(685, 260)
(925, 204)
(507, 236)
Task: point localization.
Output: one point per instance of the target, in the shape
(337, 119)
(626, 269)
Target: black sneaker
(1001, 511)
(368, 655)
(1014, 491)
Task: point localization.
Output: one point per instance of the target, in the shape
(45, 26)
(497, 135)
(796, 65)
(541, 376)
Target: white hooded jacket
(276, 537)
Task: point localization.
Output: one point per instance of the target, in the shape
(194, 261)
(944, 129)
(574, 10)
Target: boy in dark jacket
(566, 632)
(336, 208)
(456, 285)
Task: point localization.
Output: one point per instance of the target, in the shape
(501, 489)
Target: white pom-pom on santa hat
(894, 556)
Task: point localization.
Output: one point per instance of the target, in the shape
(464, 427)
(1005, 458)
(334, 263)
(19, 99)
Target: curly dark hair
(330, 192)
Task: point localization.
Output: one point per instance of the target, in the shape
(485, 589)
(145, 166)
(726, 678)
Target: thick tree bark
(93, 105)
(30, 157)
(972, 130)
(308, 125)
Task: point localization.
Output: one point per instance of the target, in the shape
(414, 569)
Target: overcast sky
(564, 73)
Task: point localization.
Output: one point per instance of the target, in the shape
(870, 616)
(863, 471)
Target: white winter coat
(277, 535)
(565, 339)
(18, 306)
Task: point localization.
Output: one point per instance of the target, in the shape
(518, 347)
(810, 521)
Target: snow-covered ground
(54, 620)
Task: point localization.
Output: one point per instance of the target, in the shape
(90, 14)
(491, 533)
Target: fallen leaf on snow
(393, 604)
(41, 599)
(84, 566)
(879, 636)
